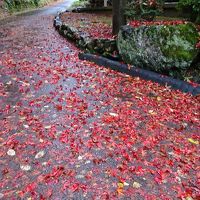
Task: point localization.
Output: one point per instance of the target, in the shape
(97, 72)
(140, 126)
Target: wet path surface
(73, 130)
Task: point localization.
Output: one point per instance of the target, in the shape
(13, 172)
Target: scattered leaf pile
(71, 129)
(137, 23)
(96, 25)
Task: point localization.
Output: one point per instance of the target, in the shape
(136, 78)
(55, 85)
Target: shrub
(161, 48)
(143, 9)
(192, 7)
(16, 5)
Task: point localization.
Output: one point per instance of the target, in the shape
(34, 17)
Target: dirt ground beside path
(72, 130)
(97, 25)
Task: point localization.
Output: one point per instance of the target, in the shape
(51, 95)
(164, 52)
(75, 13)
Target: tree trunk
(118, 15)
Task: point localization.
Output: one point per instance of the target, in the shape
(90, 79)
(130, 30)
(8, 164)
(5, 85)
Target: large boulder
(159, 47)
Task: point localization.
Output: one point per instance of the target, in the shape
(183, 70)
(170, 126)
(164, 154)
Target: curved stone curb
(102, 46)
(145, 74)
(57, 22)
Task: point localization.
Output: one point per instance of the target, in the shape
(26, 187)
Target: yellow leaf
(119, 190)
(193, 141)
(189, 198)
(120, 185)
(158, 98)
(22, 118)
(151, 112)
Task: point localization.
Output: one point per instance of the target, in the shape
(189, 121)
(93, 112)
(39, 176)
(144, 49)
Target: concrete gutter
(144, 74)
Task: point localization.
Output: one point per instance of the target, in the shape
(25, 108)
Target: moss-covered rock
(159, 47)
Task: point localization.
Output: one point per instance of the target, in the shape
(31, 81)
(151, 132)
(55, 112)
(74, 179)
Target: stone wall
(101, 46)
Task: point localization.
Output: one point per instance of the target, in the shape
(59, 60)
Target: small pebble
(48, 127)
(9, 83)
(40, 154)
(25, 167)
(87, 162)
(54, 116)
(1, 195)
(80, 176)
(136, 185)
(11, 152)
(41, 140)
(126, 184)
(80, 158)
(44, 163)
(26, 126)
(113, 114)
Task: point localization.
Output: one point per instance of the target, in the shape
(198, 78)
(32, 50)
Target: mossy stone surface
(102, 46)
(159, 47)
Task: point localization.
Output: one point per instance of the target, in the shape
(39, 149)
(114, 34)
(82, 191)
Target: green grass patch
(14, 6)
(79, 3)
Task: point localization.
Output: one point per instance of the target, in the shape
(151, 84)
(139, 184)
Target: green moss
(14, 6)
(179, 41)
(160, 48)
(79, 3)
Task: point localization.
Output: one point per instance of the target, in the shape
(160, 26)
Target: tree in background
(134, 9)
(192, 7)
(119, 18)
(143, 9)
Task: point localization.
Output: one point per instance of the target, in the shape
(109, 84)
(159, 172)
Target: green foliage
(194, 4)
(18, 5)
(177, 41)
(79, 3)
(191, 74)
(143, 9)
(191, 6)
(160, 48)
